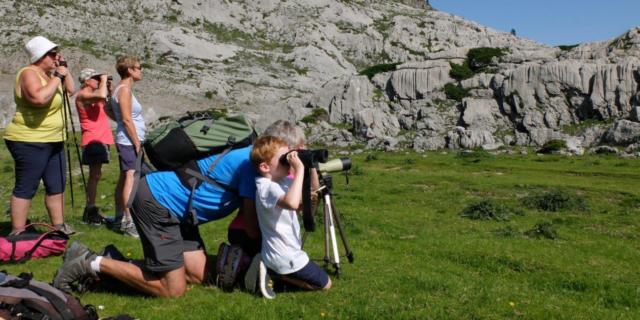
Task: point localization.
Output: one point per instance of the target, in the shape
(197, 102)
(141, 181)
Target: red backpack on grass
(31, 244)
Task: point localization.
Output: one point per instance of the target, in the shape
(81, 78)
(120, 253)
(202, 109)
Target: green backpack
(194, 137)
(177, 146)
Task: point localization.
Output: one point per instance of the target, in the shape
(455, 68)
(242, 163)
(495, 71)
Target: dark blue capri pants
(35, 161)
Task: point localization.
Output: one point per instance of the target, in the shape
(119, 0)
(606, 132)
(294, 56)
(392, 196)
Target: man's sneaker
(112, 252)
(66, 229)
(75, 271)
(265, 282)
(129, 229)
(253, 274)
(91, 215)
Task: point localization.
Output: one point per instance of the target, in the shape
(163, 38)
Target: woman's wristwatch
(59, 75)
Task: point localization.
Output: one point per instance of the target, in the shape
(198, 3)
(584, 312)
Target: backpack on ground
(24, 298)
(231, 265)
(31, 244)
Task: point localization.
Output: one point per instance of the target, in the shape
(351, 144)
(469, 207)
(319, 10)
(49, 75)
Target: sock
(95, 264)
(58, 226)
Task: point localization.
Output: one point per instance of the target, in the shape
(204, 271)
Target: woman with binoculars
(36, 134)
(96, 134)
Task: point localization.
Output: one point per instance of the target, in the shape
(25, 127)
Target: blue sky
(552, 22)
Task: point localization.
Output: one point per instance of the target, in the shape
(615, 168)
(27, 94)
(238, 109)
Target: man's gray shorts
(164, 239)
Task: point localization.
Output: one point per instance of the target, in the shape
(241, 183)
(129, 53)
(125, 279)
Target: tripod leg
(327, 255)
(342, 236)
(332, 232)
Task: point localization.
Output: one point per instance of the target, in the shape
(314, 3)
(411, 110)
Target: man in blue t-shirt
(174, 252)
(173, 249)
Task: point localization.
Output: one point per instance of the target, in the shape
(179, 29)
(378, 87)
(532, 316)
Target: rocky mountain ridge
(292, 59)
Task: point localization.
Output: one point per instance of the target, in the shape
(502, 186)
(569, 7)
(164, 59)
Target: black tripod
(331, 221)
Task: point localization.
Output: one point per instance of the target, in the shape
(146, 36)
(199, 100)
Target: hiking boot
(66, 229)
(265, 282)
(76, 269)
(253, 274)
(91, 215)
(112, 252)
(129, 229)
(114, 222)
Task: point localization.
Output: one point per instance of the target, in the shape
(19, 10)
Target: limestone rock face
(415, 81)
(623, 132)
(276, 59)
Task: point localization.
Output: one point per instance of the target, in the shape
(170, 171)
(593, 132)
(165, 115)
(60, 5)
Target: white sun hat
(37, 47)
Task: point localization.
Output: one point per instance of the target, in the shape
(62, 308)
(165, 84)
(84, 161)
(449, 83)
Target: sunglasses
(52, 54)
(136, 67)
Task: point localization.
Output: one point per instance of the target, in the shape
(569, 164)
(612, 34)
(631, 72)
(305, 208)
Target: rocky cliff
(386, 73)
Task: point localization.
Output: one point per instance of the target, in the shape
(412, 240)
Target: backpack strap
(58, 303)
(195, 178)
(41, 238)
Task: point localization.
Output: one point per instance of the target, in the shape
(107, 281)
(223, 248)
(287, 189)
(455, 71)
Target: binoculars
(319, 158)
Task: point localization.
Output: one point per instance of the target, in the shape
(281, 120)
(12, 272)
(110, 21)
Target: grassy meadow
(416, 256)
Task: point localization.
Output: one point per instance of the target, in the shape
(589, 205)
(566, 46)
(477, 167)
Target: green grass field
(416, 257)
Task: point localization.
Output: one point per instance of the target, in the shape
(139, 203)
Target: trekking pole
(75, 139)
(65, 130)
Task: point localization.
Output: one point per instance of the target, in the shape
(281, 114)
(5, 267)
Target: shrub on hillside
(379, 68)
(455, 92)
(567, 47)
(555, 200)
(317, 114)
(553, 146)
(480, 58)
(460, 71)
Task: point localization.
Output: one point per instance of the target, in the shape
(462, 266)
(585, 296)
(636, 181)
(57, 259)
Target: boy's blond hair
(265, 148)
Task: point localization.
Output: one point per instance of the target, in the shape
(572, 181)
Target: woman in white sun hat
(35, 135)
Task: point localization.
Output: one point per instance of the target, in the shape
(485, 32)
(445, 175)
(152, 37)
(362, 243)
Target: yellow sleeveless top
(36, 123)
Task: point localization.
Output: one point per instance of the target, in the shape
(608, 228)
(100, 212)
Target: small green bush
(455, 92)
(316, 115)
(460, 71)
(553, 146)
(567, 47)
(542, 230)
(555, 200)
(378, 68)
(371, 157)
(487, 210)
(475, 155)
(480, 58)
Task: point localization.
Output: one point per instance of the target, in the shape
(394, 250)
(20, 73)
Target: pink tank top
(94, 123)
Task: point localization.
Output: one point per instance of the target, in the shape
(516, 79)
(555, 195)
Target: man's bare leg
(196, 266)
(162, 284)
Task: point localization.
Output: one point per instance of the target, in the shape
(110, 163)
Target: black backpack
(231, 265)
(24, 298)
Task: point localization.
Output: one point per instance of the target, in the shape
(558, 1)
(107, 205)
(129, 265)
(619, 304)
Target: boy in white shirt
(278, 196)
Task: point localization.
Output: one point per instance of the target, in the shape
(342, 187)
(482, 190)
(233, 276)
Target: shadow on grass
(5, 228)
